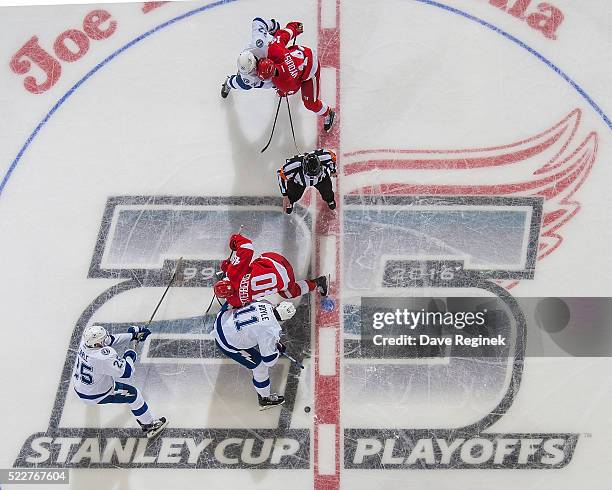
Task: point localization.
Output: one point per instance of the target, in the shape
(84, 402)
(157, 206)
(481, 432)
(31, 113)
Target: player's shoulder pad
(104, 353)
(321, 151)
(264, 303)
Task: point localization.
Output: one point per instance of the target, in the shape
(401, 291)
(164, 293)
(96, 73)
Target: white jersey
(97, 368)
(260, 38)
(253, 325)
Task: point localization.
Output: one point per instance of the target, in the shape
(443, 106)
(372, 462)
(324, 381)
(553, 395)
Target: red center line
(327, 227)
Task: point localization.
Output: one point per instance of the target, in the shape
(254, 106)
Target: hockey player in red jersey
(270, 273)
(289, 69)
(295, 68)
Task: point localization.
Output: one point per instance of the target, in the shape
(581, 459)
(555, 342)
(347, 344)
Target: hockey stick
(291, 123)
(293, 360)
(178, 264)
(212, 300)
(276, 117)
(231, 255)
(273, 125)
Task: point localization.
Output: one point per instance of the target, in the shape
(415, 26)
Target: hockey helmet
(223, 288)
(284, 311)
(312, 165)
(265, 68)
(247, 63)
(94, 336)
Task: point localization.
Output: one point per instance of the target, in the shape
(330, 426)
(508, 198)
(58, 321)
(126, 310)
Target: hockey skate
(332, 205)
(287, 205)
(152, 430)
(225, 89)
(322, 285)
(266, 402)
(328, 122)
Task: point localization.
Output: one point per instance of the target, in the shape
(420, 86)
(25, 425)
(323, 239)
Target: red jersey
(268, 274)
(295, 64)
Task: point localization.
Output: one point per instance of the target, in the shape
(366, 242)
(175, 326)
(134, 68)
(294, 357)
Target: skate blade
(154, 433)
(331, 126)
(268, 407)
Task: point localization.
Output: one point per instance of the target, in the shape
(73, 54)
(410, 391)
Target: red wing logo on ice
(552, 164)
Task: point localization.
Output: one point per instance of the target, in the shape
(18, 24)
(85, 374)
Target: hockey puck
(307, 409)
(327, 304)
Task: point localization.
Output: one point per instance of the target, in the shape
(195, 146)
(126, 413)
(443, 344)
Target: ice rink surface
(473, 139)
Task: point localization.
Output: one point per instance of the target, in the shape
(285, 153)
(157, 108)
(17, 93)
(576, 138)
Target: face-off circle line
(209, 6)
(527, 48)
(95, 69)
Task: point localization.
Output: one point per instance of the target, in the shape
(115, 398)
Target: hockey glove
(296, 27)
(131, 354)
(281, 347)
(139, 333)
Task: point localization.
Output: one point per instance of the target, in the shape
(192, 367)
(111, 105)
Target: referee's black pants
(296, 191)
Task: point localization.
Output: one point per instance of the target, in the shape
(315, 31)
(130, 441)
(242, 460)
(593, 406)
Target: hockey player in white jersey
(98, 368)
(262, 33)
(251, 336)
(269, 62)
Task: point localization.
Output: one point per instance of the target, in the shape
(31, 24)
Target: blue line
(453, 10)
(546, 61)
(104, 62)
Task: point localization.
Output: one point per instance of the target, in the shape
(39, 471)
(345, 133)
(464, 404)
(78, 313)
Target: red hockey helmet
(265, 68)
(223, 288)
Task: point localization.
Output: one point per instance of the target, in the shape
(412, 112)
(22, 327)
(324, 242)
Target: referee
(310, 169)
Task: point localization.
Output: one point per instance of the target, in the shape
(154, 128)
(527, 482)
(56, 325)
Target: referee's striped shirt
(294, 170)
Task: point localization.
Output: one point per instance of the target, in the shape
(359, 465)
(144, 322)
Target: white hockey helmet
(94, 336)
(285, 311)
(247, 63)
